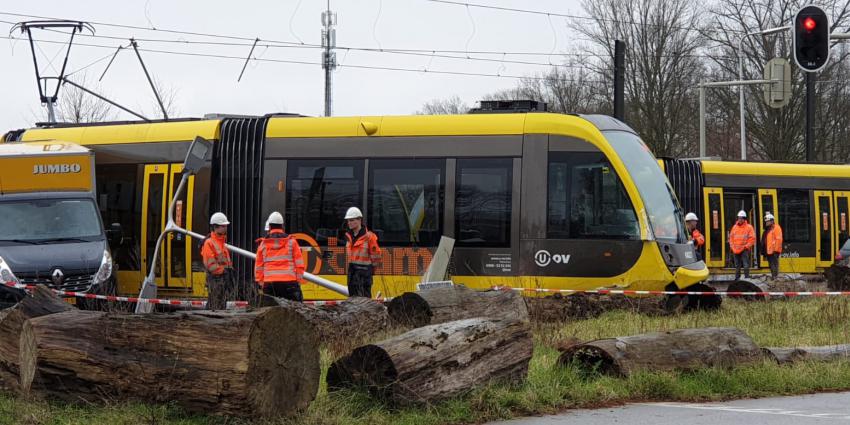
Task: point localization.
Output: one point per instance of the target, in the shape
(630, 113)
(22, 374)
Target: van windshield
(662, 207)
(49, 220)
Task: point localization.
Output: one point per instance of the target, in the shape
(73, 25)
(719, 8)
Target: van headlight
(6, 275)
(105, 270)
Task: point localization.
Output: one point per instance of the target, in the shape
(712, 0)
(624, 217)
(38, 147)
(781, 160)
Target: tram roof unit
(322, 127)
(775, 169)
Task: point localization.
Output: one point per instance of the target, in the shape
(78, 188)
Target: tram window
(118, 200)
(318, 194)
(795, 213)
(406, 201)
(587, 200)
(200, 215)
(483, 202)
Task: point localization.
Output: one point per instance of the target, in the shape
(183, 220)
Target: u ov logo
(543, 258)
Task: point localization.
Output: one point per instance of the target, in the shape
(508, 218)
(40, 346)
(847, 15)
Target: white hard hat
(742, 214)
(267, 226)
(219, 219)
(691, 217)
(353, 212)
(768, 217)
(275, 218)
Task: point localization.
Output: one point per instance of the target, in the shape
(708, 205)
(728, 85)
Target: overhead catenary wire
(297, 62)
(271, 43)
(562, 15)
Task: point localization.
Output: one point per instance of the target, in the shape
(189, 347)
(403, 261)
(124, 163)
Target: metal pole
(811, 77)
(67, 81)
(619, 79)
(741, 78)
(702, 122)
(150, 81)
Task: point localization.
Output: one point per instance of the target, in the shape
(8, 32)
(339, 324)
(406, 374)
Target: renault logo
(57, 277)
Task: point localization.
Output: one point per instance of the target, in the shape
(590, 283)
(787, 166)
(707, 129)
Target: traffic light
(811, 38)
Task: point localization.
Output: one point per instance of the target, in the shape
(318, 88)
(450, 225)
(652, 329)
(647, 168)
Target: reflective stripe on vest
(286, 268)
(220, 262)
(358, 250)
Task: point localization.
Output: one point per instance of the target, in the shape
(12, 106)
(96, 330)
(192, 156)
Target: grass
(550, 388)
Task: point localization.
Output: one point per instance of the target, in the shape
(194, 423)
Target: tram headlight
(105, 271)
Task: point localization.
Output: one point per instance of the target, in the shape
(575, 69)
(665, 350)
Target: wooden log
(351, 319)
(681, 349)
(787, 355)
(438, 361)
(261, 362)
(456, 302)
(42, 302)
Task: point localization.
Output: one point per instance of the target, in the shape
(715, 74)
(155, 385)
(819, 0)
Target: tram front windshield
(665, 215)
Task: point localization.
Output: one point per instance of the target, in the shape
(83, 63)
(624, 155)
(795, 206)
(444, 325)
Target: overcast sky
(208, 85)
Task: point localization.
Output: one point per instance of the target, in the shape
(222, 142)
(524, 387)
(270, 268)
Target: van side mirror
(115, 235)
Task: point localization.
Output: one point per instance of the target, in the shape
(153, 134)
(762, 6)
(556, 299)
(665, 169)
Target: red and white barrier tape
(181, 303)
(700, 293)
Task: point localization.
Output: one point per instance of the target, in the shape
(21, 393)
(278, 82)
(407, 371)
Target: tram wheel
(685, 303)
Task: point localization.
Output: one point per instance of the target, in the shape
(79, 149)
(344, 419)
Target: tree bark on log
(438, 361)
(42, 302)
(456, 302)
(682, 349)
(351, 319)
(787, 355)
(262, 362)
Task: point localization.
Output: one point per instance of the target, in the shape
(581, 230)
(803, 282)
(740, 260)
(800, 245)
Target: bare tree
(77, 106)
(449, 106)
(775, 134)
(663, 39)
(169, 96)
(565, 89)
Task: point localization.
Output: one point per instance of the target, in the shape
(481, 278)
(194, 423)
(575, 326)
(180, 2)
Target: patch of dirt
(561, 308)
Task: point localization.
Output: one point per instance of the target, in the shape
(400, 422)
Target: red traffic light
(809, 24)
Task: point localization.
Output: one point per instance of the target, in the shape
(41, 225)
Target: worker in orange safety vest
(279, 266)
(363, 254)
(771, 242)
(742, 239)
(692, 221)
(217, 262)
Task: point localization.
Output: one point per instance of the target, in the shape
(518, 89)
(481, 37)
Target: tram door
(732, 203)
(824, 224)
(767, 204)
(714, 227)
(173, 270)
(841, 221)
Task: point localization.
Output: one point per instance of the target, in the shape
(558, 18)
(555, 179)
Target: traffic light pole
(811, 77)
(739, 84)
(741, 89)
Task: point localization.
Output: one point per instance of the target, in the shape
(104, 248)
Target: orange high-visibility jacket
(742, 237)
(215, 254)
(363, 249)
(699, 239)
(279, 259)
(773, 240)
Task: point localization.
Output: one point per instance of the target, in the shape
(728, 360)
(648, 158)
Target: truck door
(175, 257)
